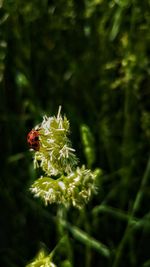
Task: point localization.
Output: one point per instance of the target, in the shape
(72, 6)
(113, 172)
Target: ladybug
(33, 139)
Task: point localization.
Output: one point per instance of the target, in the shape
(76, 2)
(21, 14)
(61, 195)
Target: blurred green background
(91, 57)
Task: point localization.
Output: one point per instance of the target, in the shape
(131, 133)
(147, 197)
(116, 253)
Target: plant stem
(135, 208)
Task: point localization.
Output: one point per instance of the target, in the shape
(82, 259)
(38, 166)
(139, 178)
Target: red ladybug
(33, 139)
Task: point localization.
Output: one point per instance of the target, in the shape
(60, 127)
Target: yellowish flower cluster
(74, 189)
(55, 156)
(42, 260)
(64, 182)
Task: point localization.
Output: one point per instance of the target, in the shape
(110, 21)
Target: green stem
(119, 214)
(86, 239)
(61, 241)
(136, 206)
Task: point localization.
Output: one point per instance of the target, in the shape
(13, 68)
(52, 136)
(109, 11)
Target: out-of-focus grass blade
(119, 214)
(16, 157)
(87, 239)
(122, 215)
(146, 264)
(144, 222)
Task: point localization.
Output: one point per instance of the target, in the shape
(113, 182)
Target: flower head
(64, 182)
(74, 189)
(42, 260)
(55, 155)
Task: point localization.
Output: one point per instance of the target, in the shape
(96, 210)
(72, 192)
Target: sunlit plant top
(63, 182)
